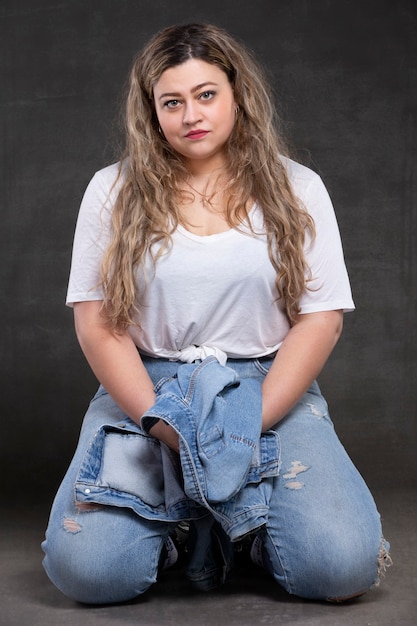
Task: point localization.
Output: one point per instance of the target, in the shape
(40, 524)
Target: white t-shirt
(214, 294)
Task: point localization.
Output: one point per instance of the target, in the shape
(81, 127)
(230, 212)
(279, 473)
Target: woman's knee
(103, 578)
(95, 569)
(328, 571)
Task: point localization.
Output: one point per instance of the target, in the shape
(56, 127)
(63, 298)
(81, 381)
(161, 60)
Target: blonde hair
(146, 212)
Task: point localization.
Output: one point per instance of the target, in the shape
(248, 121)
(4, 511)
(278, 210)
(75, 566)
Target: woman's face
(196, 110)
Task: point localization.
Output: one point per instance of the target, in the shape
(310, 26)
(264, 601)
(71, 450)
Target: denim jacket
(225, 464)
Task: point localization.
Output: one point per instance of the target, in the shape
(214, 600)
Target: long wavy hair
(151, 172)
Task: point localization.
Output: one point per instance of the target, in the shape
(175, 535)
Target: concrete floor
(27, 598)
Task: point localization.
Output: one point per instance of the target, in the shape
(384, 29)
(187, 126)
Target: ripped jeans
(322, 538)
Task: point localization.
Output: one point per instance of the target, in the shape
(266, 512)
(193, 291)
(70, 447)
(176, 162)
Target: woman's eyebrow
(175, 94)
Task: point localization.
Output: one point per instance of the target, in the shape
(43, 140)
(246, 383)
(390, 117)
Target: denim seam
(189, 395)
(264, 370)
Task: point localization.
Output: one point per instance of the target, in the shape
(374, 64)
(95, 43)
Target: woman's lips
(197, 134)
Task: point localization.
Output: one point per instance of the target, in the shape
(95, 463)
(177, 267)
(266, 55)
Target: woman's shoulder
(309, 188)
(105, 182)
(298, 174)
(110, 173)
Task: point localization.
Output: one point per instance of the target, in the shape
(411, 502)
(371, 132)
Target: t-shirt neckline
(215, 236)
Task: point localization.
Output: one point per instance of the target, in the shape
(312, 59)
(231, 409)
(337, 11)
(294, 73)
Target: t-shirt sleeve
(329, 287)
(90, 240)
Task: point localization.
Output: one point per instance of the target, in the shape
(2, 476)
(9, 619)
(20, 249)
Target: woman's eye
(207, 95)
(171, 104)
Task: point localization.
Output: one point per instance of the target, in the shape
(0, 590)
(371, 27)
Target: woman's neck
(206, 169)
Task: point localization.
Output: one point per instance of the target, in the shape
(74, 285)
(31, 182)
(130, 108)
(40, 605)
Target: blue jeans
(322, 538)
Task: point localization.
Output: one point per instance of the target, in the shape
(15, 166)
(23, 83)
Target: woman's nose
(191, 114)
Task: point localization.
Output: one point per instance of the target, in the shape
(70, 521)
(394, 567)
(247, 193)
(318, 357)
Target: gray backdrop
(345, 74)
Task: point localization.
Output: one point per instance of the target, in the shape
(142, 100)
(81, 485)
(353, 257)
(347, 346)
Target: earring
(237, 110)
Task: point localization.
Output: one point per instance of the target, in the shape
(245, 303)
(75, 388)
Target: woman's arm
(298, 362)
(116, 363)
(114, 360)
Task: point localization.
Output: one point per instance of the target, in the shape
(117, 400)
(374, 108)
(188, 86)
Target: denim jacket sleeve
(224, 465)
(218, 420)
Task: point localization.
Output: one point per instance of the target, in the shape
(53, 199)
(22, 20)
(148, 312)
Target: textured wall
(345, 73)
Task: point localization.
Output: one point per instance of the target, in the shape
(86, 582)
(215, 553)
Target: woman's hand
(298, 362)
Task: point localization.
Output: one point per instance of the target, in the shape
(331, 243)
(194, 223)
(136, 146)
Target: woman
(207, 260)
